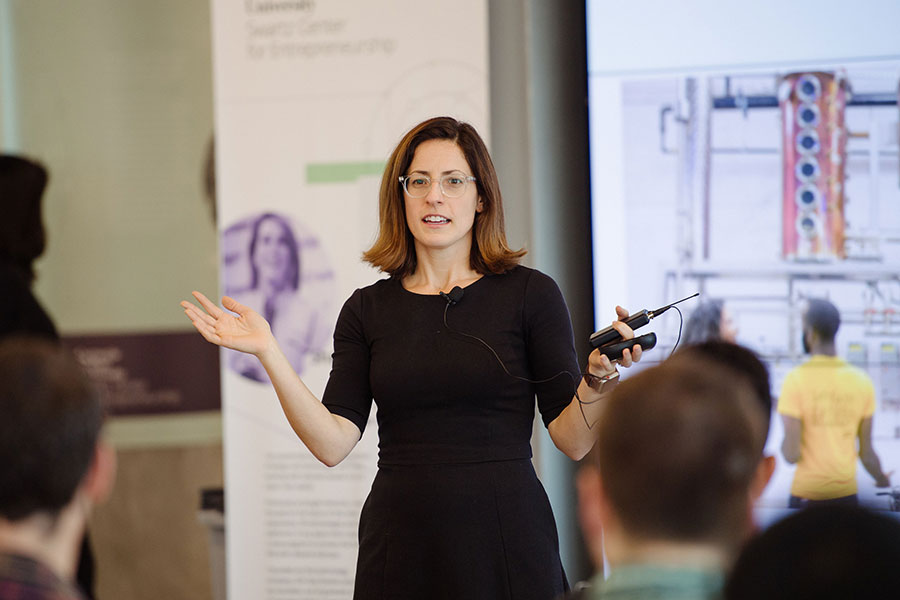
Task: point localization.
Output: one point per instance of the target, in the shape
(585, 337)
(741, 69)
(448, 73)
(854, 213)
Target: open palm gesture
(241, 329)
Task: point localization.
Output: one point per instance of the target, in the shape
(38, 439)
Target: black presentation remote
(614, 351)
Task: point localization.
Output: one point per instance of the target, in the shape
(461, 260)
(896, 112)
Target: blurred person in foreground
(668, 493)
(824, 552)
(23, 240)
(53, 468)
(744, 364)
(826, 405)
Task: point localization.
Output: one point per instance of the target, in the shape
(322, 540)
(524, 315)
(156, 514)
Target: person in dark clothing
(53, 467)
(22, 242)
(453, 348)
(823, 552)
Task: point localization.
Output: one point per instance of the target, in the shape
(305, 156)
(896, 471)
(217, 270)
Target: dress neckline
(438, 295)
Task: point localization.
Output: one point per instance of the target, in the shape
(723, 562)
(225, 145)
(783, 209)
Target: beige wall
(115, 98)
(147, 539)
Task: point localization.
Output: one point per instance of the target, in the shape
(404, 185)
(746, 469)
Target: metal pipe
(747, 102)
(873, 196)
(766, 151)
(666, 110)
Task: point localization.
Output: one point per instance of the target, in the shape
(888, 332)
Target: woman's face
(439, 223)
(272, 258)
(727, 329)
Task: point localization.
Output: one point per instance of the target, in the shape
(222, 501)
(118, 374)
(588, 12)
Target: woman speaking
(453, 348)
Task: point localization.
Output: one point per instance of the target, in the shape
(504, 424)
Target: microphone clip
(454, 296)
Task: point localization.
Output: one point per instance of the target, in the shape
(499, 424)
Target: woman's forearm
(328, 436)
(574, 431)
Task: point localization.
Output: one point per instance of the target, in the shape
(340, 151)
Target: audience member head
(821, 320)
(743, 361)
(677, 453)
(22, 238)
(394, 250)
(711, 320)
(49, 429)
(820, 552)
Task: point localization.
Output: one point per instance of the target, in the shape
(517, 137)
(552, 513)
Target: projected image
(766, 191)
(279, 270)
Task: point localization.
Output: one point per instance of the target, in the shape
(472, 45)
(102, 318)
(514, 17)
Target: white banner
(310, 98)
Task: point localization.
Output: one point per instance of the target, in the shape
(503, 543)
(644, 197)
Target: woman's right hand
(245, 330)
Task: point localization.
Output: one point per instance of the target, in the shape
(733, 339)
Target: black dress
(456, 510)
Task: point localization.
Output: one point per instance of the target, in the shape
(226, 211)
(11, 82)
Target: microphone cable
(497, 356)
(452, 298)
(456, 294)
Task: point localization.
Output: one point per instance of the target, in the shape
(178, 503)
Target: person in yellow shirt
(827, 405)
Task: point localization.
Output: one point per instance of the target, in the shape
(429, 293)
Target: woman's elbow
(578, 453)
(329, 461)
(331, 455)
(574, 446)
(575, 451)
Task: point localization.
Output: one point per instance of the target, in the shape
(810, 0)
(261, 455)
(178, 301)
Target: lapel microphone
(454, 296)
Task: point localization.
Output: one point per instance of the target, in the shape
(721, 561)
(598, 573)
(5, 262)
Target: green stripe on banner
(345, 172)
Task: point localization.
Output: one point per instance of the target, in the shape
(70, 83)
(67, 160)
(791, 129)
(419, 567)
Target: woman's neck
(440, 273)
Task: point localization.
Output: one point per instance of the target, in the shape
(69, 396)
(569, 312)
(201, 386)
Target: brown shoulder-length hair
(394, 251)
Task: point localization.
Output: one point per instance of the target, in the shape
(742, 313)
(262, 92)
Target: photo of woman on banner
(262, 269)
(453, 348)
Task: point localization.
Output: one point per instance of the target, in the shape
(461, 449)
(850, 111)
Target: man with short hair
(53, 468)
(827, 404)
(669, 493)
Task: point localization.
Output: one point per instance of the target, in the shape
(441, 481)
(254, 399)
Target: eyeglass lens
(453, 185)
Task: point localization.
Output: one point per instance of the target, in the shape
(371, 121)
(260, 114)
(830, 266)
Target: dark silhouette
(22, 241)
(821, 553)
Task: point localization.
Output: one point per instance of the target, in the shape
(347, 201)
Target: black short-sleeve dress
(456, 510)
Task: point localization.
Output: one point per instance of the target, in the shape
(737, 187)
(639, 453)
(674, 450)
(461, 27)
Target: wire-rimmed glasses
(453, 185)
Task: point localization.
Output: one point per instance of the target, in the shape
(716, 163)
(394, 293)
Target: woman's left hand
(600, 365)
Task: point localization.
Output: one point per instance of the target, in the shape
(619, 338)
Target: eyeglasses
(453, 185)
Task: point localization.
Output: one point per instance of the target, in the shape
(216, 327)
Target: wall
(540, 147)
(114, 97)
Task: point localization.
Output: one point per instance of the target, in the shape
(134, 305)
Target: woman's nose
(435, 193)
